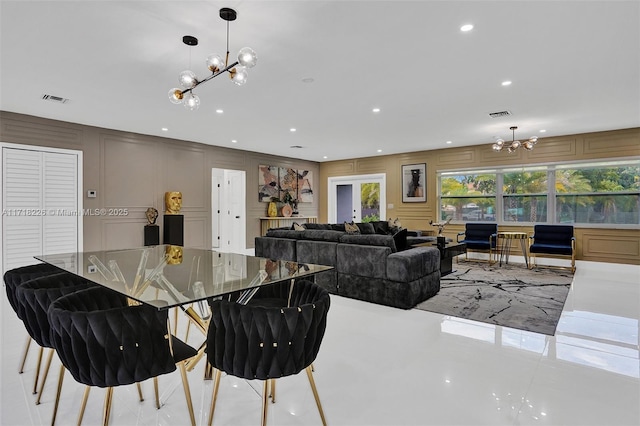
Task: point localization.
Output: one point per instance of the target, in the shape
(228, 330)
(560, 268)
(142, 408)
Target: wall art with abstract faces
(277, 182)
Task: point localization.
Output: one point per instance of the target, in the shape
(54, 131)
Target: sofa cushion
(276, 248)
(381, 227)
(365, 261)
(321, 235)
(366, 228)
(337, 227)
(324, 226)
(370, 240)
(351, 228)
(412, 264)
(285, 233)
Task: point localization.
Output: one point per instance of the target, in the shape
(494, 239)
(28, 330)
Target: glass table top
(165, 276)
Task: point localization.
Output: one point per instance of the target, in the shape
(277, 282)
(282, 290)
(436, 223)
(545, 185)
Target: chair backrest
(35, 296)
(15, 277)
(257, 342)
(552, 234)
(479, 231)
(104, 342)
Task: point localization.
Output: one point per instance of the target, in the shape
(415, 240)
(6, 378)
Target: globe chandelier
(237, 70)
(512, 146)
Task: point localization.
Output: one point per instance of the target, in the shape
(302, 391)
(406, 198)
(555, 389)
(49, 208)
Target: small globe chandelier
(512, 146)
(237, 70)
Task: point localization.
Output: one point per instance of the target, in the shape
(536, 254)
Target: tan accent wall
(595, 244)
(134, 171)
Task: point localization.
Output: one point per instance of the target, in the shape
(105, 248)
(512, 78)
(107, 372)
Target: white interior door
(229, 225)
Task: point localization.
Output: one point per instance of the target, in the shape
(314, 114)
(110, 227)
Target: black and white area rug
(508, 295)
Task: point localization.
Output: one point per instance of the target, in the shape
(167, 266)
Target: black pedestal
(151, 235)
(173, 232)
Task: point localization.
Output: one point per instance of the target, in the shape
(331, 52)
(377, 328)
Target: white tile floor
(386, 366)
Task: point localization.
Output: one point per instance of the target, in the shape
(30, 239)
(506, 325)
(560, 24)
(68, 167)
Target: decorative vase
(272, 210)
(287, 210)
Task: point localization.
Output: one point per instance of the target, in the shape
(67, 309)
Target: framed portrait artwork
(413, 183)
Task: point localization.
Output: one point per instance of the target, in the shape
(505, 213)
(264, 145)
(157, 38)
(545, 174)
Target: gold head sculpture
(174, 255)
(152, 215)
(173, 202)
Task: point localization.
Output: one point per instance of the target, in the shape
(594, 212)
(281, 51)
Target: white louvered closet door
(40, 205)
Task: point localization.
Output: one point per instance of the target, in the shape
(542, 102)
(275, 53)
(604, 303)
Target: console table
(267, 223)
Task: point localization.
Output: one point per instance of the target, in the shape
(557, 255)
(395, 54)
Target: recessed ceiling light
(164, 129)
(308, 80)
(293, 129)
(448, 142)
(325, 157)
(542, 130)
(219, 111)
(466, 27)
(234, 141)
(379, 150)
(506, 83)
(376, 110)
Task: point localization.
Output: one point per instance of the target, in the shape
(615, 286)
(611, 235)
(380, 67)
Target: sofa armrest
(276, 248)
(409, 265)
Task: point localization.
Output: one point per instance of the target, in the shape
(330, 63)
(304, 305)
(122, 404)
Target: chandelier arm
(210, 77)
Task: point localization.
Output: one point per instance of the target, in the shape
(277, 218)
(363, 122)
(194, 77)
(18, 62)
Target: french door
(357, 198)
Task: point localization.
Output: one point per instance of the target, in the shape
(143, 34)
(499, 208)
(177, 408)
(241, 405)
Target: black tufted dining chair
(104, 342)
(268, 342)
(33, 299)
(12, 279)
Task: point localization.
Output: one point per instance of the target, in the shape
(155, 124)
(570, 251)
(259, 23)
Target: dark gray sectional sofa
(367, 266)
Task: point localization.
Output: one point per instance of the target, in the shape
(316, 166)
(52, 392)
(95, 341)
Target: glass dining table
(168, 276)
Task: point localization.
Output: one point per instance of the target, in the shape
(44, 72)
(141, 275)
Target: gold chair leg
(46, 373)
(272, 390)
(58, 392)
(175, 321)
(315, 394)
(108, 398)
(24, 356)
(140, 392)
(83, 406)
(186, 336)
(187, 392)
(265, 402)
(155, 390)
(35, 383)
(214, 395)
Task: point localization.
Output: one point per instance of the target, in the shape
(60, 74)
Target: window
(524, 196)
(468, 196)
(598, 194)
(580, 193)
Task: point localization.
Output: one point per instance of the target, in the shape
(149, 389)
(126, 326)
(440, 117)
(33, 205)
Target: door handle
(237, 217)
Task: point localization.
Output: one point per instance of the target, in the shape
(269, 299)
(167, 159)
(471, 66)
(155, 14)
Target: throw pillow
(298, 227)
(394, 225)
(400, 239)
(351, 228)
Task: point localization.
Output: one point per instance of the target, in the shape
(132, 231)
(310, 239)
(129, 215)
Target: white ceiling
(575, 68)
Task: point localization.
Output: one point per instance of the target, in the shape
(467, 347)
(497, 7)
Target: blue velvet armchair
(480, 237)
(553, 241)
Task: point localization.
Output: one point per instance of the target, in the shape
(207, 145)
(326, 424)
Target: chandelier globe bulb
(247, 57)
(192, 102)
(175, 95)
(188, 79)
(239, 75)
(215, 63)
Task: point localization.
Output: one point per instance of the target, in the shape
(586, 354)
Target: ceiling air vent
(296, 146)
(499, 114)
(53, 98)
